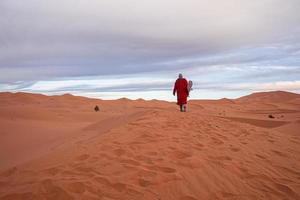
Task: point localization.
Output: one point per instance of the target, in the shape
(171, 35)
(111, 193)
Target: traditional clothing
(181, 87)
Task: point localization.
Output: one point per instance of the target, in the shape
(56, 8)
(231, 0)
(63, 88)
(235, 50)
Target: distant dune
(275, 96)
(58, 147)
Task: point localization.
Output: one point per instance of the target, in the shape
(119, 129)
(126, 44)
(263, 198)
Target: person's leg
(181, 108)
(184, 108)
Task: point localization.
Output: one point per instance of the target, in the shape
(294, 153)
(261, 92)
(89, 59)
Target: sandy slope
(59, 148)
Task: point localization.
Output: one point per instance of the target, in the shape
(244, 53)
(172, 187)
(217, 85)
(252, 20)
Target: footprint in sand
(172, 148)
(220, 158)
(216, 141)
(116, 142)
(271, 141)
(227, 195)
(119, 152)
(279, 153)
(199, 144)
(82, 157)
(188, 198)
(147, 138)
(106, 156)
(152, 153)
(86, 171)
(166, 169)
(144, 182)
(144, 159)
(236, 134)
(102, 180)
(52, 171)
(223, 137)
(146, 173)
(244, 173)
(261, 156)
(130, 162)
(245, 133)
(235, 149)
(120, 187)
(181, 154)
(160, 169)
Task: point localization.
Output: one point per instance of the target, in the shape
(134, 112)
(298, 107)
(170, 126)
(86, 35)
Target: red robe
(181, 87)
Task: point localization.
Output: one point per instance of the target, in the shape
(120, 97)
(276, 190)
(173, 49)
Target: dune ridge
(57, 147)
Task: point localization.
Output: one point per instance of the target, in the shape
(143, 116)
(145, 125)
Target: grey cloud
(48, 39)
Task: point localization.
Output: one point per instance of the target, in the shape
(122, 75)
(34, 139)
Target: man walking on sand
(181, 88)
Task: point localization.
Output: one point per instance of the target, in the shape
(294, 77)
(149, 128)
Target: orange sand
(58, 147)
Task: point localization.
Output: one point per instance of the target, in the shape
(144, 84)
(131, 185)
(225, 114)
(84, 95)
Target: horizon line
(136, 99)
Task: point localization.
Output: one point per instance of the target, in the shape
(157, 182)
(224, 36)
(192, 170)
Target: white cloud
(268, 86)
(281, 85)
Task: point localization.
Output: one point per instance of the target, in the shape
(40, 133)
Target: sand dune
(58, 147)
(274, 97)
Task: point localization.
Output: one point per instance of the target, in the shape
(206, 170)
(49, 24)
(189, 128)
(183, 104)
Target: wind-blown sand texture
(58, 147)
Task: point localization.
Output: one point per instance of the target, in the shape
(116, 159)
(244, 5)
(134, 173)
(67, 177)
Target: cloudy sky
(136, 48)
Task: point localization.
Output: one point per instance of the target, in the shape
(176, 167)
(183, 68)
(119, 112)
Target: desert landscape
(58, 147)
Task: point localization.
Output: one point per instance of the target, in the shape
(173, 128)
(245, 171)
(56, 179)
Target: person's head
(180, 76)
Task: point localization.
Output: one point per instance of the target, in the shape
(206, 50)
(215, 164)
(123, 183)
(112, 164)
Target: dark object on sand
(96, 108)
(271, 116)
